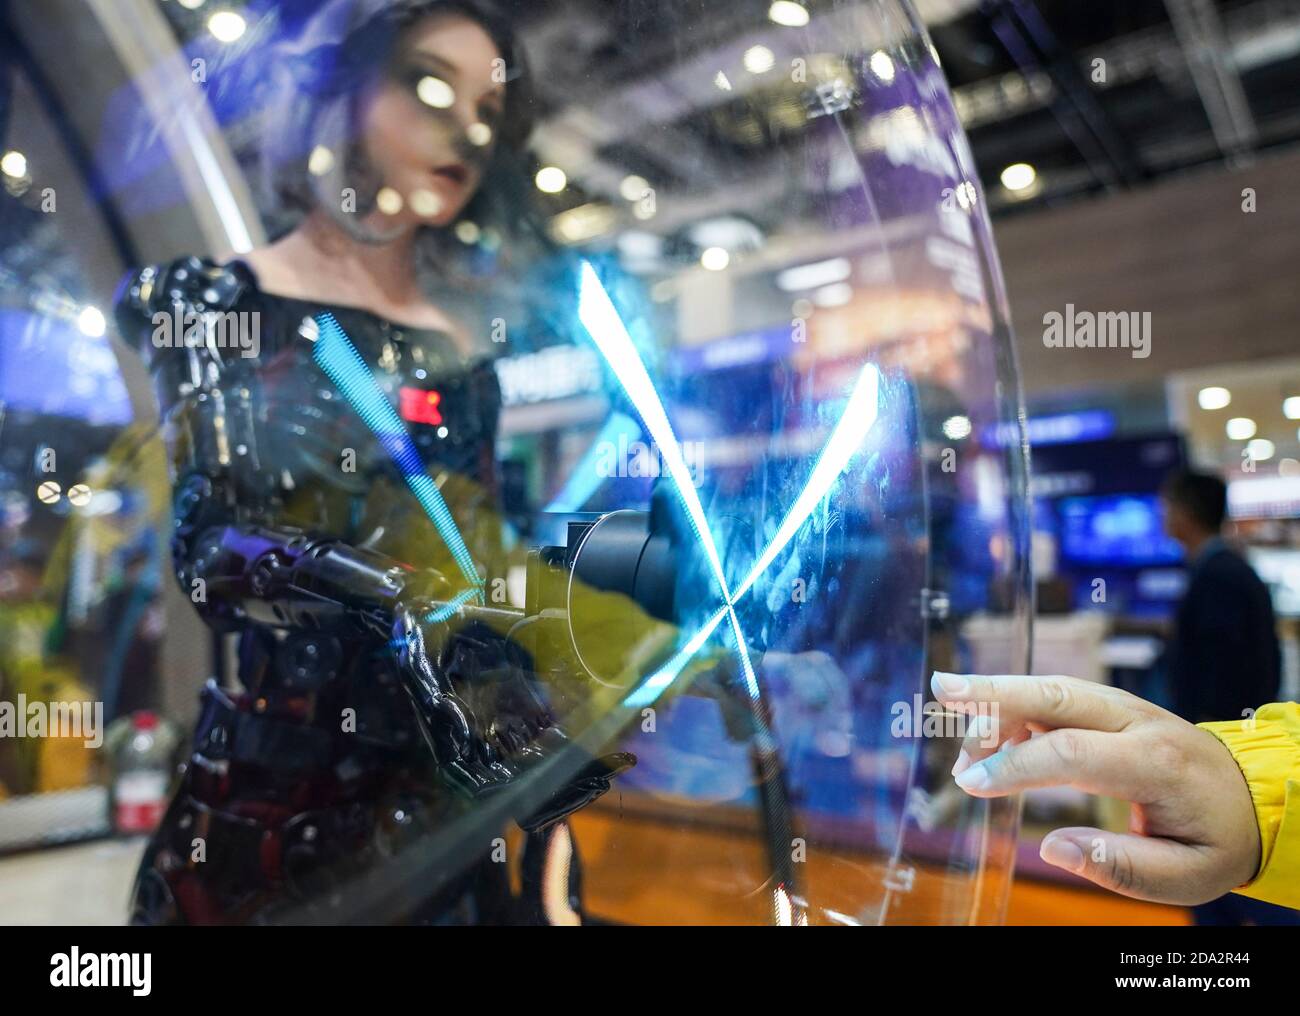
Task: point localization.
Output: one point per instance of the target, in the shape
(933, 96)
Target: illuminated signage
(1065, 428)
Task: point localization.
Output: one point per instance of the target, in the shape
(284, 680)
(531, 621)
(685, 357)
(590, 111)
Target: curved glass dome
(760, 402)
(726, 312)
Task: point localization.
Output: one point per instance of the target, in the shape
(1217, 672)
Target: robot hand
(485, 717)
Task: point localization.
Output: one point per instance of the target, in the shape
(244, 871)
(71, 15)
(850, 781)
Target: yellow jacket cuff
(1267, 748)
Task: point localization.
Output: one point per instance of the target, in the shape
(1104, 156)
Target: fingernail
(1062, 853)
(963, 760)
(974, 778)
(983, 729)
(949, 684)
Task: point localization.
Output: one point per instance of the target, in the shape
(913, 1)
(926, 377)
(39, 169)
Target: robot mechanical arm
(477, 704)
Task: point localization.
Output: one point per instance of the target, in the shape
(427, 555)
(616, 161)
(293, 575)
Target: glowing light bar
(608, 332)
(340, 361)
(444, 613)
(851, 430)
(859, 417)
(602, 321)
(655, 685)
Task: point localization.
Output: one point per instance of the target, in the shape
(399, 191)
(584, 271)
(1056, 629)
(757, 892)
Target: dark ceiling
(1151, 116)
(1024, 74)
(1182, 83)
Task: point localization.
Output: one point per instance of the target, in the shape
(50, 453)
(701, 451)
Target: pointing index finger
(1048, 701)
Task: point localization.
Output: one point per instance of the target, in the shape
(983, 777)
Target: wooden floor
(643, 871)
(1042, 903)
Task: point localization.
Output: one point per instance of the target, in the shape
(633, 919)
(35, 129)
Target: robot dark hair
(380, 696)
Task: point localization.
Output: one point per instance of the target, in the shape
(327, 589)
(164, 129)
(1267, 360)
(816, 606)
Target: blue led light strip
(443, 613)
(339, 359)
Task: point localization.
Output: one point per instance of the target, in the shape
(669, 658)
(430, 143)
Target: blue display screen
(1120, 530)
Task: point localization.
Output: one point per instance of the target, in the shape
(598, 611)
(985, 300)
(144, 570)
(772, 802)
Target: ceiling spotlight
(1019, 176)
(882, 66)
(957, 428)
(1261, 449)
(639, 245)
(759, 60)
(715, 259)
(788, 13)
(192, 5)
(814, 275)
(435, 92)
(227, 26)
(1241, 428)
(321, 161)
(91, 322)
(468, 232)
(1214, 398)
(836, 295)
(79, 495)
(730, 232)
(551, 180)
(584, 223)
(633, 188)
(1291, 408)
(49, 492)
(479, 134)
(14, 164)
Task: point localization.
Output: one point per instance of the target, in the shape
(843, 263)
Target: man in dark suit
(1224, 656)
(1223, 660)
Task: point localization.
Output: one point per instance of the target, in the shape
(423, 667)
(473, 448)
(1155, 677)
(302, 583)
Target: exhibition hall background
(1136, 156)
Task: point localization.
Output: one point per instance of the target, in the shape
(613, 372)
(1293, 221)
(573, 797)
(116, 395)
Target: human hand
(1193, 832)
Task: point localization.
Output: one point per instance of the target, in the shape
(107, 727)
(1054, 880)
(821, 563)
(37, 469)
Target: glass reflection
(589, 470)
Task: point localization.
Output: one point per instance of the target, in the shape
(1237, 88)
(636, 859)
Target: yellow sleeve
(1267, 747)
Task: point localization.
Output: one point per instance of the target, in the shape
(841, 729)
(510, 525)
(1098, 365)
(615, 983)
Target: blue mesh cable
(339, 359)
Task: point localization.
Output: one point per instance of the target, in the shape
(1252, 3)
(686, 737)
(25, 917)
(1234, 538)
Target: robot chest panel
(391, 423)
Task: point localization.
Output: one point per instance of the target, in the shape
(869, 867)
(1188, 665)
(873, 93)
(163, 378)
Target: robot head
(415, 105)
